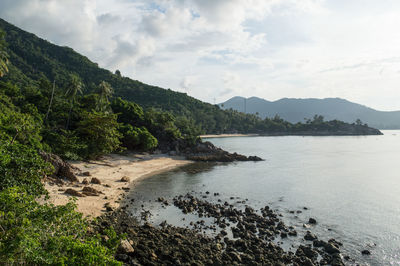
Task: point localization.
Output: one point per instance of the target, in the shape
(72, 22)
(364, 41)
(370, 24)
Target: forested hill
(33, 60)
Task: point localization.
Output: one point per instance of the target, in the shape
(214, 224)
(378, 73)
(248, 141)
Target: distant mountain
(296, 110)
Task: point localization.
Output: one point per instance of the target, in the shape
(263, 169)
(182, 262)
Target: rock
(366, 252)
(73, 192)
(312, 221)
(331, 249)
(122, 257)
(309, 236)
(108, 207)
(86, 173)
(319, 243)
(125, 248)
(62, 169)
(89, 191)
(125, 179)
(85, 181)
(95, 180)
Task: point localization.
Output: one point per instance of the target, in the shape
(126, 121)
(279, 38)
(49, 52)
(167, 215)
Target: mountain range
(297, 110)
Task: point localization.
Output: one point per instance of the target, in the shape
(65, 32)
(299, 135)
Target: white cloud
(222, 48)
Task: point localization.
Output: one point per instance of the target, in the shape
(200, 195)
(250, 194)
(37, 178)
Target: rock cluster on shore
(207, 152)
(254, 238)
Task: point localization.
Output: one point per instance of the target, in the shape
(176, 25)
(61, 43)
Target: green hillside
(34, 59)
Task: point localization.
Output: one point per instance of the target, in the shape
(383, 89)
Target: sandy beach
(227, 135)
(109, 171)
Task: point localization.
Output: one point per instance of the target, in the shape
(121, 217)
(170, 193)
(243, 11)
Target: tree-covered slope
(34, 59)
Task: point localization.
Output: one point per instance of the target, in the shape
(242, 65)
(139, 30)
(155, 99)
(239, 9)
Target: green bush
(21, 166)
(137, 138)
(35, 234)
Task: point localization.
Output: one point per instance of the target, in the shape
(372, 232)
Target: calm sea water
(351, 185)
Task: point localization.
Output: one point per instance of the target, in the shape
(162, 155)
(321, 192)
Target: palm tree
(105, 91)
(75, 87)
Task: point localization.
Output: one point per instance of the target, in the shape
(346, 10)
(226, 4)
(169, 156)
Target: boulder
(366, 252)
(73, 192)
(125, 247)
(89, 191)
(62, 169)
(95, 180)
(331, 249)
(125, 179)
(312, 221)
(309, 236)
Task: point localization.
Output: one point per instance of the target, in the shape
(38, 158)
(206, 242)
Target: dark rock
(331, 249)
(85, 181)
(312, 221)
(309, 236)
(73, 192)
(122, 257)
(95, 180)
(86, 173)
(62, 169)
(125, 179)
(366, 252)
(89, 191)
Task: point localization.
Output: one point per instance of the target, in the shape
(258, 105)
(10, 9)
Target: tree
(105, 91)
(75, 86)
(3, 56)
(100, 132)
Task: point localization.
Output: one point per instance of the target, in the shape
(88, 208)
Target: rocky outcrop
(74, 193)
(207, 152)
(62, 169)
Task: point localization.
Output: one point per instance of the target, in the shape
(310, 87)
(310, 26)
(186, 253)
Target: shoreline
(109, 171)
(227, 135)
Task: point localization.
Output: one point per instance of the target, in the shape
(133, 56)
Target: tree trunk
(69, 115)
(51, 101)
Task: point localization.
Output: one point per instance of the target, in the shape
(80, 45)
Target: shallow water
(351, 185)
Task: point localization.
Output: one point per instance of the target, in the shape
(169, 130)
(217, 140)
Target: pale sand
(109, 171)
(227, 135)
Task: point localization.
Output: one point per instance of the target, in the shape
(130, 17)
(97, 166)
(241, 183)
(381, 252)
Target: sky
(216, 49)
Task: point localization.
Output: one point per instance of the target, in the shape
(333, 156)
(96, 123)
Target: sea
(349, 184)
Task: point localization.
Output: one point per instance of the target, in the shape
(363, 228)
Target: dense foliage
(33, 59)
(42, 234)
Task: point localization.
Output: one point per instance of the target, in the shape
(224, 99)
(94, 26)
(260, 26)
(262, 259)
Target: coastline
(109, 171)
(227, 135)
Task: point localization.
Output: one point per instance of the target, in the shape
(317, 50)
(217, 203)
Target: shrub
(137, 138)
(21, 166)
(35, 234)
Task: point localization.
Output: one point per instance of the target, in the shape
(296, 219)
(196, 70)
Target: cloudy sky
(216, 49)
